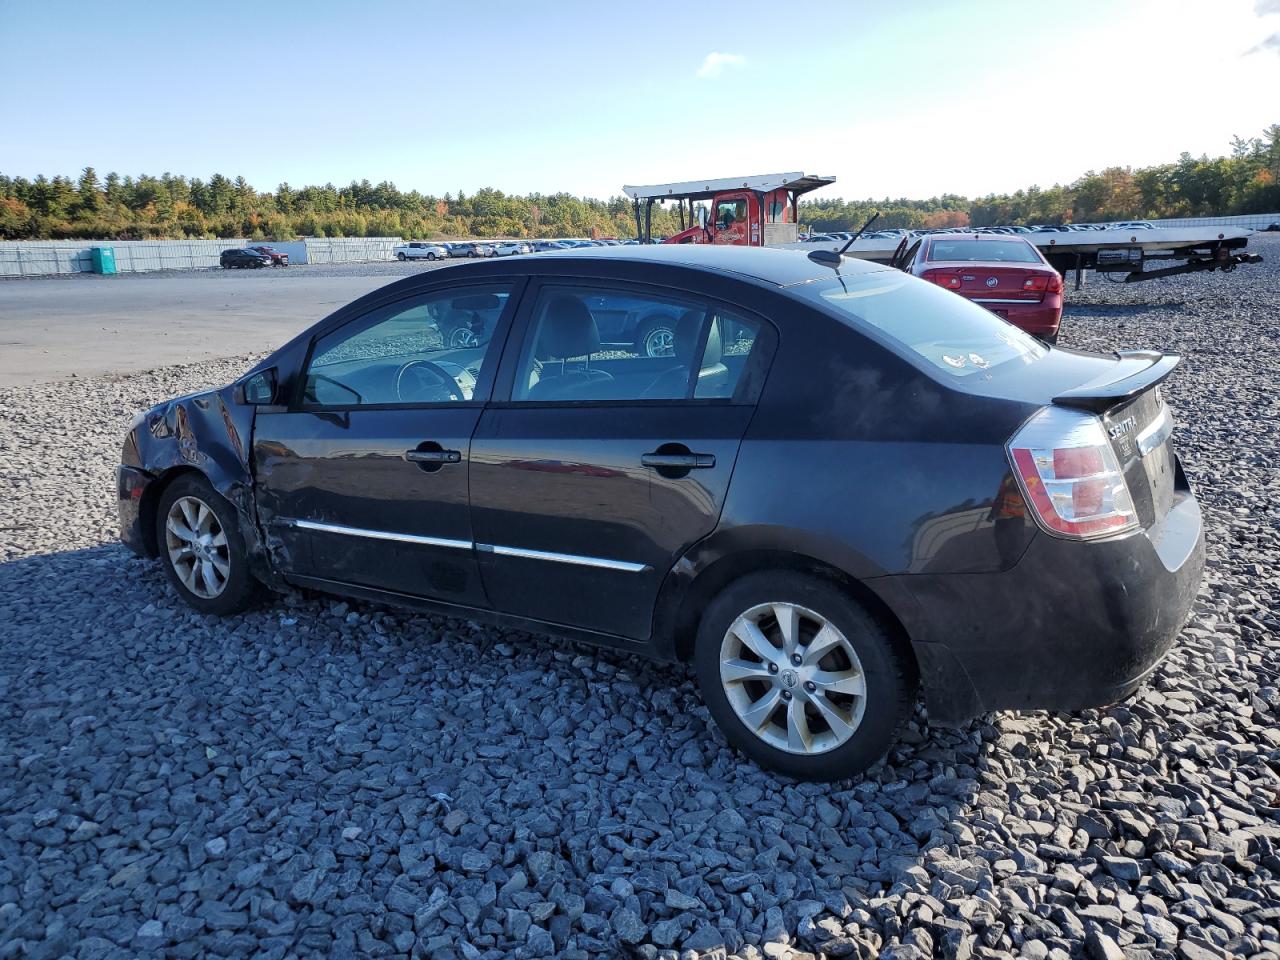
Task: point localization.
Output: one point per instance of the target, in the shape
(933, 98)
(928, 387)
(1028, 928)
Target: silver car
(421, 250)
(509, 248)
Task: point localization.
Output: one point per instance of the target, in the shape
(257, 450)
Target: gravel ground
(323, 779)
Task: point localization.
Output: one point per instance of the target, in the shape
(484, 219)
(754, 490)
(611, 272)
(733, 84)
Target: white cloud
(715, 63)
(1271, 44)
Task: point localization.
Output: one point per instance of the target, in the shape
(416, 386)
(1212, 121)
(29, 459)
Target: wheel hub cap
(197, 547)
(793, 678)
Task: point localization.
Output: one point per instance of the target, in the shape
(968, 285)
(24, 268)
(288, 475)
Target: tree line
(169, 206)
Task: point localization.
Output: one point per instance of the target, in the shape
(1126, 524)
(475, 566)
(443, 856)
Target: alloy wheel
(660, 342)
(793, 678)
(197, 547)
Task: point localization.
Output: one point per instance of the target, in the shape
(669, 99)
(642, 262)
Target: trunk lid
(981, 281)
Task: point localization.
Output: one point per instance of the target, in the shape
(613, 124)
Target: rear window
(1007, 251)
(946, 330)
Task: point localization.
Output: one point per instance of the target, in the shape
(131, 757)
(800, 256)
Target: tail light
(1070, 476)
(1038, 282)
(942, 278)
(1043, 283)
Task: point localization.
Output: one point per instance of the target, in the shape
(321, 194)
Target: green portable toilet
(104, 260)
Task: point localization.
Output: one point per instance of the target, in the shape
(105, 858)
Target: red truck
(745, 211)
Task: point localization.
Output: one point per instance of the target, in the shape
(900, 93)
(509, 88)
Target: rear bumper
(1041, 318)
(131, 488)
(1071, 625)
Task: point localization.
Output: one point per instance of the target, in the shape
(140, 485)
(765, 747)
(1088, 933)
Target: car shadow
(351, 748)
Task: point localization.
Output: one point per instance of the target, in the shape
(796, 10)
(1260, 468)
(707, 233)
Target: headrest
(688, 330)
(568, 330)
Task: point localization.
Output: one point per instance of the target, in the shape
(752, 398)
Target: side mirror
(257, 390)
(702, 217)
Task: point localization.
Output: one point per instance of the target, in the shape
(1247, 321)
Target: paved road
(51, 329)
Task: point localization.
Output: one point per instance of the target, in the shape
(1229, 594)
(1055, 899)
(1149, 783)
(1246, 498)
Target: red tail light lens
(1070, 476)
(1055, 283)
(1038, 282)
(943, 278)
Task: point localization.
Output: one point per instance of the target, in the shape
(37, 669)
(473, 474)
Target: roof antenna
(832, 257)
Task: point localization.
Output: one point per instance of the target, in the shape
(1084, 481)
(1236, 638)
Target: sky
(895, 99)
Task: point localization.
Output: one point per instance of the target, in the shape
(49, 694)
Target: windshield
(946, 330)
(1005, 251)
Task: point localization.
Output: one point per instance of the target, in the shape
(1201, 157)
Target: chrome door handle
(679, 461)
(433, 456)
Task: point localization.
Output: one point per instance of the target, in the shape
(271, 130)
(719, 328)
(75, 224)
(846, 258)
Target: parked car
(483, 248)
(421, 250)
(278, 258)
(1272, 227)
(509, 248)
(1006, 274)
(462, 249)
(540, 246)
(239, 258)
(845, 482)
(1133, 225)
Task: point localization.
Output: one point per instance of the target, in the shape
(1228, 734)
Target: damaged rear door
(363, 479)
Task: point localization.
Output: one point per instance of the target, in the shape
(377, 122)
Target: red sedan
(1005, 274)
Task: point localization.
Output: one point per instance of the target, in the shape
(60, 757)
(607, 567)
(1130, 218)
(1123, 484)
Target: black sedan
(844, 483)
(244, 258)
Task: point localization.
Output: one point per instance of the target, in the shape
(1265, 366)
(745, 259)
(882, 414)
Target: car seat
(714, 379)
(567, 330)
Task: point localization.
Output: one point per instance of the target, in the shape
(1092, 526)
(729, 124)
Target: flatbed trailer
(1121, 255)
(763, 211)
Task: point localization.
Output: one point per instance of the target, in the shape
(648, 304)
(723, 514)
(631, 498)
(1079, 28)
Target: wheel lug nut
(796, 659)
(810, 686)
(773, 668)
(786, 694)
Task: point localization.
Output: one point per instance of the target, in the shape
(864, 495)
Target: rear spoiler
(1100, 397)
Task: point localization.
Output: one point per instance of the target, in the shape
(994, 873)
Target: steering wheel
(441, 375)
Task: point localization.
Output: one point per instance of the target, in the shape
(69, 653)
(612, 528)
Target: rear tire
(401, 257)
(824, 729)
(209, 570)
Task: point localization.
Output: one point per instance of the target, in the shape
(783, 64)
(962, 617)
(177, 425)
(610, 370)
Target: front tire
(801, 677)
(201, 549)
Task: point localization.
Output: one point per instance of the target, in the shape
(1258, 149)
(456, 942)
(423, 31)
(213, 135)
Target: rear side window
(948, 332)
(1007, 251)
(604, 344)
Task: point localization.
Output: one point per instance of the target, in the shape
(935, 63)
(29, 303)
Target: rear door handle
(433, 456)
(680, 461)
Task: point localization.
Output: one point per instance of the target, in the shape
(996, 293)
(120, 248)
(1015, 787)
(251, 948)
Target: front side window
(951, 333)
(601, 344)
(431, 349)
(729, 212)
